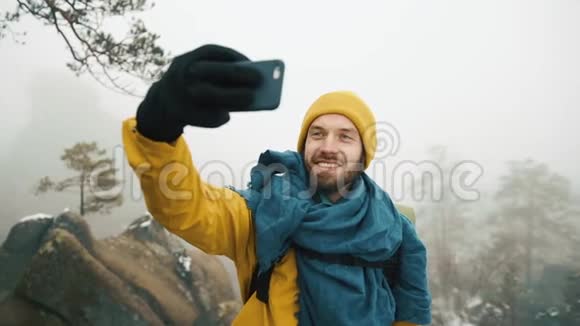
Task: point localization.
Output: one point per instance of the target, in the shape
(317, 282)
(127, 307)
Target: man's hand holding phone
(200, 88)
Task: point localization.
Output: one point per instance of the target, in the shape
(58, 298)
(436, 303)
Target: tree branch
(136, 55)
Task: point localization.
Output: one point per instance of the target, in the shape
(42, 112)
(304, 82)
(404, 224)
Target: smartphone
(269, 94)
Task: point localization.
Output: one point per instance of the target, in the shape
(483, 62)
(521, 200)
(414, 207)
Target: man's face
(333, 152)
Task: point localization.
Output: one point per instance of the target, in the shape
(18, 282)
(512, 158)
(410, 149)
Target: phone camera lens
(277, 72)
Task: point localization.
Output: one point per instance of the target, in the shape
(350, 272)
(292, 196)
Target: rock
(18, 312)
(22, 243)
(66, 278)
(77, 226)
(26, 235)
(143, 276)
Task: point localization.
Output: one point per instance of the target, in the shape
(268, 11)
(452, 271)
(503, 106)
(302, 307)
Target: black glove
(198, 89)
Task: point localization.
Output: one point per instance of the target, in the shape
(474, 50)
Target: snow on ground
(474, 302)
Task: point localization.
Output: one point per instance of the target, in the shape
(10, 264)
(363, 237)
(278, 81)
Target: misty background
(491, 81)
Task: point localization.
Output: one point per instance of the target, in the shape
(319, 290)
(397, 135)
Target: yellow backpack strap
(408, 211)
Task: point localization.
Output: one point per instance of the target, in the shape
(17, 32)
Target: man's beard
(328, 183)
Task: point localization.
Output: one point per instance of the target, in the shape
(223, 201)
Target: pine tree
(534, 204)
(95, 179)
(446, 215)
(571, 315)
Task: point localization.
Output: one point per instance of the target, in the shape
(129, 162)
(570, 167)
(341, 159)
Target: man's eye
(346, 137)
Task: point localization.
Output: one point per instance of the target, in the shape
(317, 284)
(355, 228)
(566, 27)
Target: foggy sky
(493, 80)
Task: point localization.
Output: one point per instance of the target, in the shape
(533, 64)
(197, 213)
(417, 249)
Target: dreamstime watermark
(417, 181)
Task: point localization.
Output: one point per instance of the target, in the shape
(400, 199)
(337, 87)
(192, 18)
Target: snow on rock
(146, 221)
(185, 262)
(145, 224)
(34, 217)
(553, 311)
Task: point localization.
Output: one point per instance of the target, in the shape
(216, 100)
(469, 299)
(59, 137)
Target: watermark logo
(424, 180)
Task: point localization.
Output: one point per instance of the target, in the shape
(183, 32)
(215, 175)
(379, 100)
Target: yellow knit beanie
(351, 106)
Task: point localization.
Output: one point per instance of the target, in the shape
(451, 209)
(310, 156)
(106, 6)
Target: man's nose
(330, 144)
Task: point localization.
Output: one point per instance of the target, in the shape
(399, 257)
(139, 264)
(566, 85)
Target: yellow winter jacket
(213, 219)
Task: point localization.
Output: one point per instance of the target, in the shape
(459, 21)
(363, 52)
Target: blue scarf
(365, 224)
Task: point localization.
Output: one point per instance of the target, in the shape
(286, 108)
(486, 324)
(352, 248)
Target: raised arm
(214, 219)
(198, 89)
